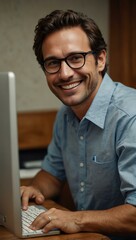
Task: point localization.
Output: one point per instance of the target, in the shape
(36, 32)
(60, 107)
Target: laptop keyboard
(28, 217)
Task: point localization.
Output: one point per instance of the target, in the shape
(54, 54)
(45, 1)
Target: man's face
(74, 87)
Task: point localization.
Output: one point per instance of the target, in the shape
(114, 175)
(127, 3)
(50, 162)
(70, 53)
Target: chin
(72, 100)
(71, 103)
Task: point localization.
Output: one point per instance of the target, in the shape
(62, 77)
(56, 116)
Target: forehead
(65, 41)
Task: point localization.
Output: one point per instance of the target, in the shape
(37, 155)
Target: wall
(17, 20)
(122, 56)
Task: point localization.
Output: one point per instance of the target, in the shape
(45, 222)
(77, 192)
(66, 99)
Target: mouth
(70, 86)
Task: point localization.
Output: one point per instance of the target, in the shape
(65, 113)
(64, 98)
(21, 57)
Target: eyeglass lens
(75, 61)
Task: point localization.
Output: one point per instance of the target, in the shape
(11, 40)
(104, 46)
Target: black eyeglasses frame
(84, 54)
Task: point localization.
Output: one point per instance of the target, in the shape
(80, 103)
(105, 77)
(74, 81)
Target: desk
(6, 235)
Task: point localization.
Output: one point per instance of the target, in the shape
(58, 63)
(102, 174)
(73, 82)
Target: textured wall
(17, 22)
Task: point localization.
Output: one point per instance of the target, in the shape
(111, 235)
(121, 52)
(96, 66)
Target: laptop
(10, 201)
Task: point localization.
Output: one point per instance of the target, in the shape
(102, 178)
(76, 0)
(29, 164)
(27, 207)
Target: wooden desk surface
(6, 235)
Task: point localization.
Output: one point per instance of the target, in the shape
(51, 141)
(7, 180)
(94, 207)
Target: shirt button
(81, 164)
(81, 137)
(82, 189)
(82, 184)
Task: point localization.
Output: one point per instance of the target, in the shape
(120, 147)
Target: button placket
(82, 169)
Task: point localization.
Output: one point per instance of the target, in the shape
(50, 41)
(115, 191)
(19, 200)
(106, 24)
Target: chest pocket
(104, 180)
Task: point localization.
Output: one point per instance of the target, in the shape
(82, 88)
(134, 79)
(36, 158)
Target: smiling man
(94, 140)
(76, 79)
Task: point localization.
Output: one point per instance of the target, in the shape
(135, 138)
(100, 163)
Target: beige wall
(17, 22)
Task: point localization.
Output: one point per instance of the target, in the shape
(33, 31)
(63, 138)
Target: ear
(101, 61)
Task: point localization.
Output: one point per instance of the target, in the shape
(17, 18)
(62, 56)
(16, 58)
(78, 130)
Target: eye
(75, 58)
(51, 63)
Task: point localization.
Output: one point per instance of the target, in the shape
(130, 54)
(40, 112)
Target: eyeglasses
(73, 60)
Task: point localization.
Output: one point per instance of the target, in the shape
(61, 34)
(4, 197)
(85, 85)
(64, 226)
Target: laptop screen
(10, 201)
(10, 204)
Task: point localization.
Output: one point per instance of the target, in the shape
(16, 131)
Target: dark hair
(60, 19)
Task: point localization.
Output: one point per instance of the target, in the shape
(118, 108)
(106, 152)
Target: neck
(81, 109)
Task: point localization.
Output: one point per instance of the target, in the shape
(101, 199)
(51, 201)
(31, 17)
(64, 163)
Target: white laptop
(10, 202)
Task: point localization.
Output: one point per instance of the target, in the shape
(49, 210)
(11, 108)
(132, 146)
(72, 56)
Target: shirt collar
(99, 107)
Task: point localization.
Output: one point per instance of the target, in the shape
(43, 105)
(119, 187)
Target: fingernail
(24, 208)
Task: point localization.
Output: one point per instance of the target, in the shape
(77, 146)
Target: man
(94, 139)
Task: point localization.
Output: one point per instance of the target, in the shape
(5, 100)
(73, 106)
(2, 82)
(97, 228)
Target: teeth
(70, 86)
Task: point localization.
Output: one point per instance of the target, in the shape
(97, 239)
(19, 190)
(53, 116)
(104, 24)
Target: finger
(51, 225)
(39, 199)
(30, 193)
(40, 221)
(22, 190)
(26, 194)
(51, 211)
(25, 200)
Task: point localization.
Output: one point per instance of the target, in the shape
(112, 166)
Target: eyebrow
(54, 57)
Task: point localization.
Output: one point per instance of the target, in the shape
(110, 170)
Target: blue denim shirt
(97, 155)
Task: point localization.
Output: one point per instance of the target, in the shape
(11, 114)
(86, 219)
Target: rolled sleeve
(53, 162)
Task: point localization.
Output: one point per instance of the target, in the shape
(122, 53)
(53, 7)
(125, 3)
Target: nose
(65, 71)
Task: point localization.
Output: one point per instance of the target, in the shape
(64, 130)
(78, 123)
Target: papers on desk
(28, 173)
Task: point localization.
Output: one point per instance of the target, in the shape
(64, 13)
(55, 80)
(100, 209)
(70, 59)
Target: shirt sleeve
(53, 162)
(126, 150)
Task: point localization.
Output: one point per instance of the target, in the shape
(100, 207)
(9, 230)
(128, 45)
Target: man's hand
(120, 220)
(30, 192)
(66, 221)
